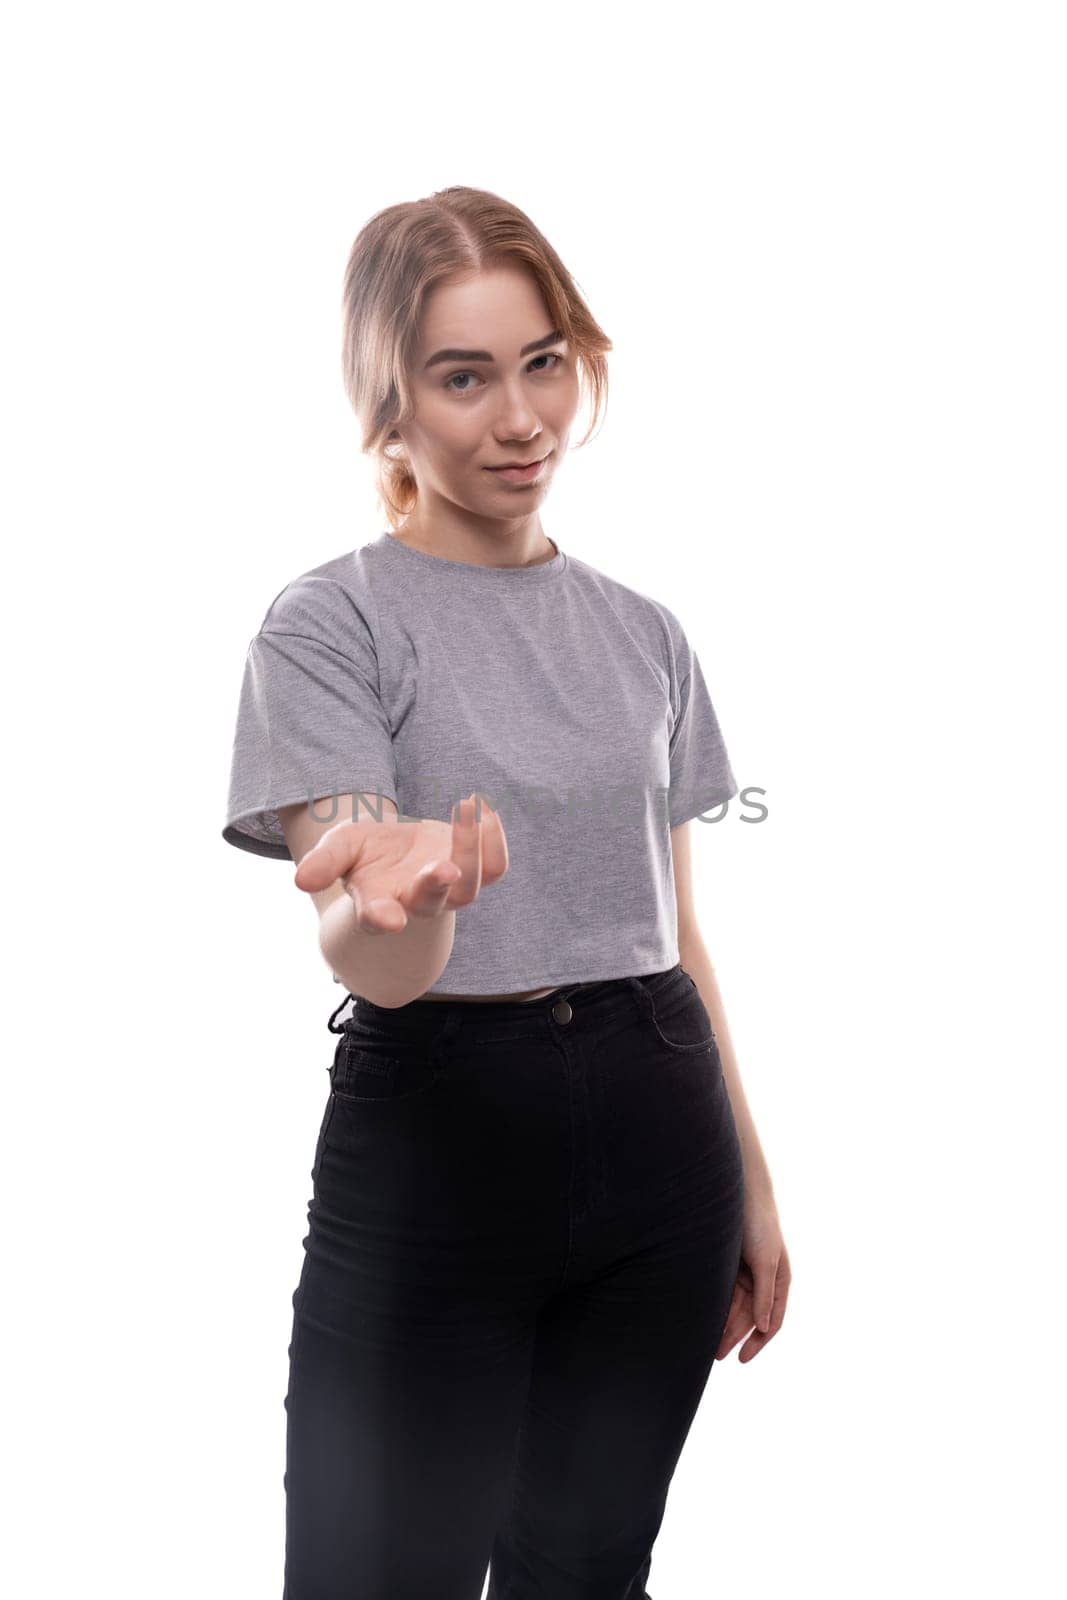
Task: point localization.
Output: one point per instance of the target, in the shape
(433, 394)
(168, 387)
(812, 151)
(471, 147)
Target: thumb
(335, 854)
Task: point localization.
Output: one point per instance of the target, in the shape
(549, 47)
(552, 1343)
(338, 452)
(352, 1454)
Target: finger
(337, 852)
(763, 1293)
(781, 1295)
(494, 846)
(426, 894)
(383, 914)
(759, 1338)
(466, 853)
(737, 1325)
(752, 1345)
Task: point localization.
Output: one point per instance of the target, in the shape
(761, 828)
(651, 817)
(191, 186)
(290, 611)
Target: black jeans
(524, 1236)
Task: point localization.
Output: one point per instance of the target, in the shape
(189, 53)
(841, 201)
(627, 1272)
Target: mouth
(522, 474)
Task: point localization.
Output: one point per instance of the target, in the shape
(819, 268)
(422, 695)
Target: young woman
(540, 1207)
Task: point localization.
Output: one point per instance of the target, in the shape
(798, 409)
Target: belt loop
(452, 1024)
(638, 986)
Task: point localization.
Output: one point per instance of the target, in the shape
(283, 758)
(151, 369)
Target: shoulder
(333, 603)
(640, 611)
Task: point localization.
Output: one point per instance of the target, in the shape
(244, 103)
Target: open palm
(409, 869)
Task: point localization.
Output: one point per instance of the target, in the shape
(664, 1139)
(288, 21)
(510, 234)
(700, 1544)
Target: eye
(548, 355)
(450, 381)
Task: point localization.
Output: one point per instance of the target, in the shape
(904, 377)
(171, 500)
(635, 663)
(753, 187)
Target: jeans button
(562, 1011)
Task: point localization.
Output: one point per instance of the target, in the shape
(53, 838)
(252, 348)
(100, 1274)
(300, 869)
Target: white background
(828, 244)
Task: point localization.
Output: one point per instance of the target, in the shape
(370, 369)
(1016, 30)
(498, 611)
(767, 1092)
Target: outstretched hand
(409, 869)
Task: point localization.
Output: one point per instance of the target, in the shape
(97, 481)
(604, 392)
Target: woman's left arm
(762, 1289)
(763, 1278)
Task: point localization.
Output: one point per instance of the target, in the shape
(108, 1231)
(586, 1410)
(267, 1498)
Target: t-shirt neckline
(540, 571)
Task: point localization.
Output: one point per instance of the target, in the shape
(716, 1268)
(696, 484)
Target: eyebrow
(484, 355)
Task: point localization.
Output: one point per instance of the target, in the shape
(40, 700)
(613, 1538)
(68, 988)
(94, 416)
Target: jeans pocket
(680, 1018)
(371, 1066)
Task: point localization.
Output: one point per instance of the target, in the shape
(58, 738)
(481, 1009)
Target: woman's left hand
(763, 1279)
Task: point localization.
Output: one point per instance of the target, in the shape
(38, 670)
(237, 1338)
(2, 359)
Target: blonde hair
(402, 253)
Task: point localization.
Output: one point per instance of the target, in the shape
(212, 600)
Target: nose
(517, 422)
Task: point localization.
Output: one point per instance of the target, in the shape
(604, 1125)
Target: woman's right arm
(388, 969)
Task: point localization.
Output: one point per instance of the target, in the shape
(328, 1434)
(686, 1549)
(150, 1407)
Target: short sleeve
(310, 719)
(700, 774)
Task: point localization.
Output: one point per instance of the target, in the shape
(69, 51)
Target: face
(510, 395)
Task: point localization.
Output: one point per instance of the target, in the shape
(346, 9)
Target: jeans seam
(509, 1521)
(570, 1180)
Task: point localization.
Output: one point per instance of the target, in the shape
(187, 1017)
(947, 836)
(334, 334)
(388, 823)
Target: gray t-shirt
(573, 704)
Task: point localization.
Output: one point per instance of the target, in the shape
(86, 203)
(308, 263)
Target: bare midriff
(531, 994)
